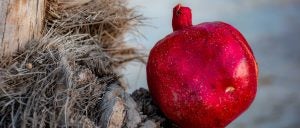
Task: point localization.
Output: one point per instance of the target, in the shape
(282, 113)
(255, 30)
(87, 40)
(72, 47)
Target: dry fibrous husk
(57, 81)
(70, 78)
(105, 20)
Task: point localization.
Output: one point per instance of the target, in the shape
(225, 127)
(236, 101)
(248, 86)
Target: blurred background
(272, 27)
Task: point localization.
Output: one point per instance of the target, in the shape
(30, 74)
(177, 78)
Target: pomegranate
(202, 76)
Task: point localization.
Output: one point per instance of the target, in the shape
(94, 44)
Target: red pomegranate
(202, 76)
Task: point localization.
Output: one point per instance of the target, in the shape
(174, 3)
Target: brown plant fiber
(70, 77)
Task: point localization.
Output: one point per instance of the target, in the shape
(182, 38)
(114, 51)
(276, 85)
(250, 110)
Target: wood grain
(20, 21)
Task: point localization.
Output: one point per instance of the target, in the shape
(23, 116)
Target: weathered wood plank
(20, 21)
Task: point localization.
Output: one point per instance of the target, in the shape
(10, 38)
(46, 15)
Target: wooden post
(20, 21)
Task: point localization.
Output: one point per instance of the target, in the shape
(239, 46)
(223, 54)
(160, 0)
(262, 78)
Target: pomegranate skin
(202, 76)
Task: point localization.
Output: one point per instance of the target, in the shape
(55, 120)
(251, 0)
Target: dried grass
(104, 20)
(61, 79)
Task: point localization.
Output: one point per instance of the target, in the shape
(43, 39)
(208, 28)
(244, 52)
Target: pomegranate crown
(182, 17)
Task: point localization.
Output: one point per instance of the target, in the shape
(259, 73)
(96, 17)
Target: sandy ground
(272, 28)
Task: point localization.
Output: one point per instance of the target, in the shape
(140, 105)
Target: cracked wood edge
(20, 21)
